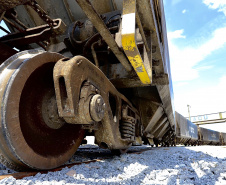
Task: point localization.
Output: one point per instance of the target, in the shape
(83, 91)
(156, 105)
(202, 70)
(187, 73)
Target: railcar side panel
(209, 136)
(186, 130)
(223, 138)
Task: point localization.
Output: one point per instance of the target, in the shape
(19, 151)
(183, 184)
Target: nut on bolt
(97, 107)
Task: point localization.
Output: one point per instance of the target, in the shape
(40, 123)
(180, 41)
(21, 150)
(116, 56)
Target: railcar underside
(76, 68)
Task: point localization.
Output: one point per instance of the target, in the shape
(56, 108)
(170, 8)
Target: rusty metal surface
(135, 82)
(41, 12)
(166, 96)
(8, 4)
(148, 20)
(8, 52)
(156, 116)
(27, 86)
(158, 127)
(74, 73)
(67, 10)
(86, 41)
(128, 124)
(104, 32)
(154, 46)
(33, 35)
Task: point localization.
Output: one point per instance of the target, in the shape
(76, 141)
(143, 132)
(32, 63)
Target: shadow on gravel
(182, 165)
(174, 165)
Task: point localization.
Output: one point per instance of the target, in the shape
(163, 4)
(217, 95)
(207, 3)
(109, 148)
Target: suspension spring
(127, 128)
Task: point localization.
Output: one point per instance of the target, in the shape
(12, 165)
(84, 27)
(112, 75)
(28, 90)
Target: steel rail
(20, 175)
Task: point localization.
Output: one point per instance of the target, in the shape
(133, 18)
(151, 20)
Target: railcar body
(223, 138)
(207, 136)
(187, 132)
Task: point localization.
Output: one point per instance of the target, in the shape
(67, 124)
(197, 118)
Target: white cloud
(176, 34)
(216, 4)
(184, 61)
(202, 100)
(184, 11)
(180, 84)
(174, 2)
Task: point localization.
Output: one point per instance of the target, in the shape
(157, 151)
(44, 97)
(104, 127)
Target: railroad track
(99, 154)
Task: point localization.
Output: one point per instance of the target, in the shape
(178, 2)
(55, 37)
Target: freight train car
(223, 138)
(72, 68)
(207, 136)
(187, 132)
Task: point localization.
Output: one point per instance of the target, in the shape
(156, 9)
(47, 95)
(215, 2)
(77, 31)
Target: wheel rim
(28, 90)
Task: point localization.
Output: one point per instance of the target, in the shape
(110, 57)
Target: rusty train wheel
(31, 133)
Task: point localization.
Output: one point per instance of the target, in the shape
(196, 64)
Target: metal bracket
(104, 32)
(33, 35)
(73, 100)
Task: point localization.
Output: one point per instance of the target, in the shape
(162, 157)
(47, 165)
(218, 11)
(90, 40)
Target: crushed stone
(173, 165)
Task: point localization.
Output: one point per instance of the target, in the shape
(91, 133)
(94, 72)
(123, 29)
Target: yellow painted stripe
(133, 54)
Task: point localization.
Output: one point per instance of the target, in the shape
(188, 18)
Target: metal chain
(43, 15)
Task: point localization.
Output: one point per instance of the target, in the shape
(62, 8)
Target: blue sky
(2, 33)
(196, 32)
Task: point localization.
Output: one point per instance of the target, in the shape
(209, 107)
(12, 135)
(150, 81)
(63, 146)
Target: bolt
(97, 107)
(97, 91)
(79, 62)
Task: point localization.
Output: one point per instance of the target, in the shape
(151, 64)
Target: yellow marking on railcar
(131, 50)
(129, 40)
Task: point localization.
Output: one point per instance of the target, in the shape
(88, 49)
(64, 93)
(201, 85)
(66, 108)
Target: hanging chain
(43, 15)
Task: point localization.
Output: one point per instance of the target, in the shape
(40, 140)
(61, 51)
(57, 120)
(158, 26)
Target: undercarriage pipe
(94, 53)
(104, 32)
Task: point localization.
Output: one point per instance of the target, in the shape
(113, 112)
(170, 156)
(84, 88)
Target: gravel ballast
(173, 165)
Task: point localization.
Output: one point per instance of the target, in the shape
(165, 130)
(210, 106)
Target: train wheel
(31, 133)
